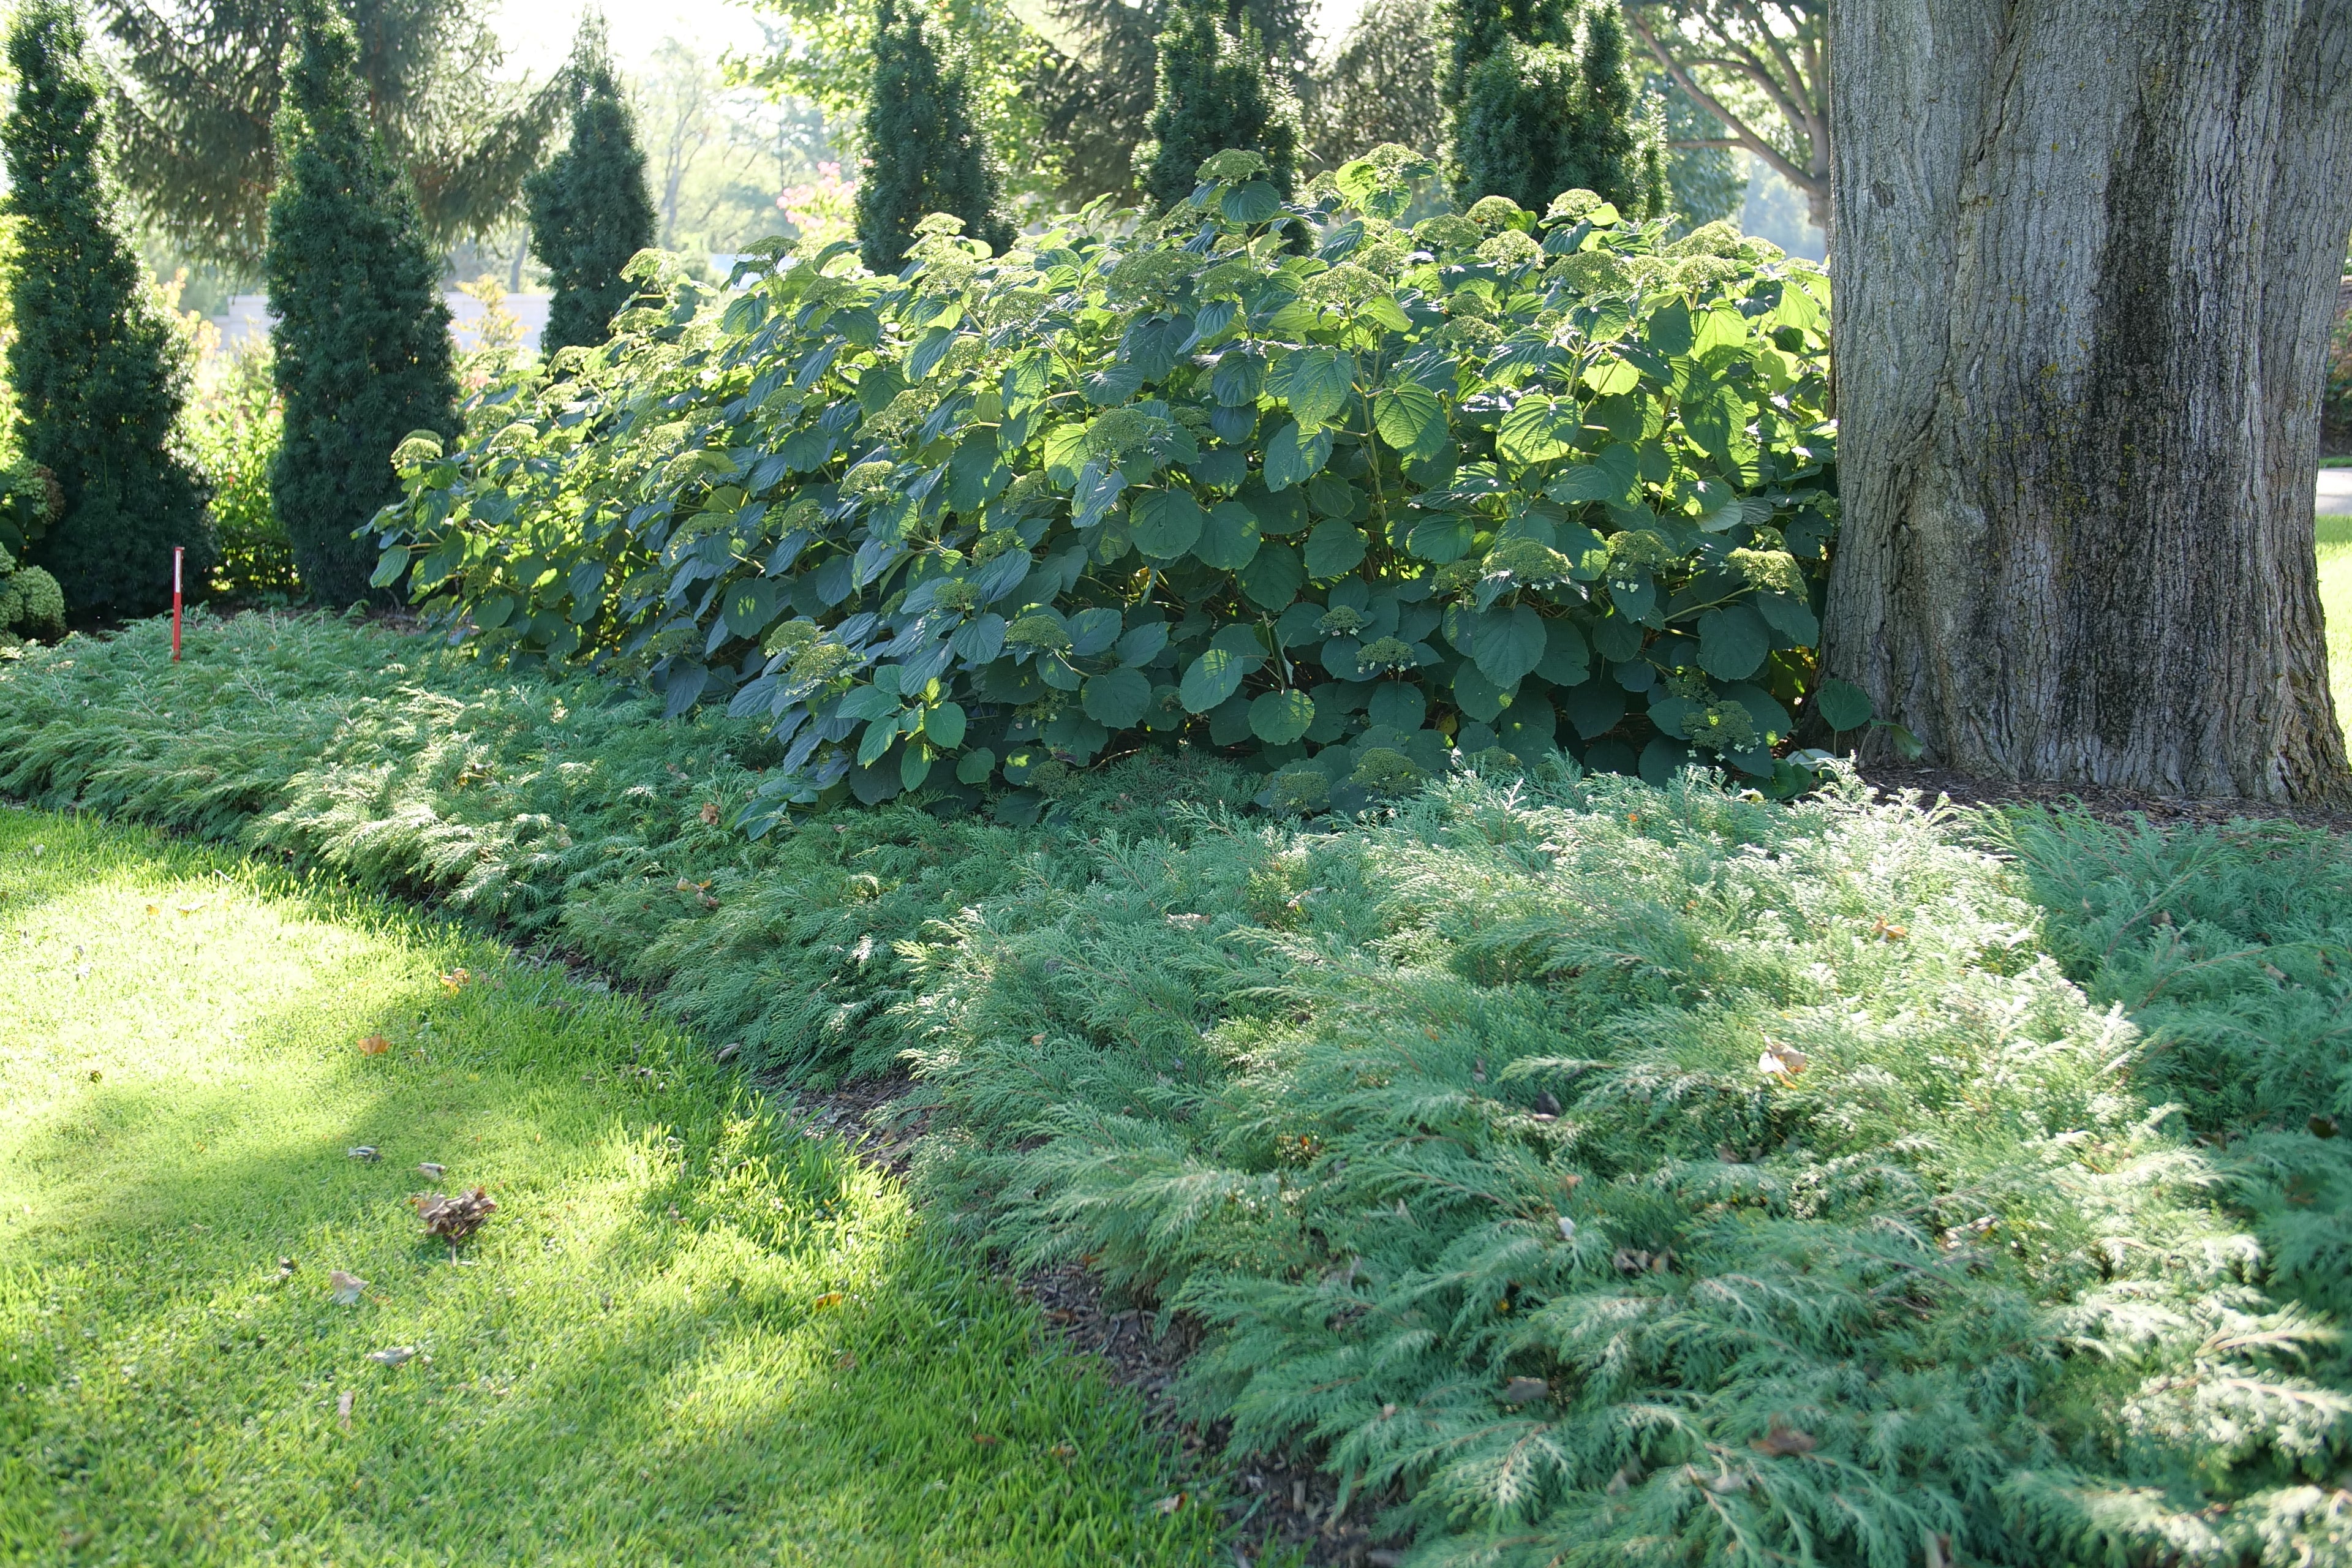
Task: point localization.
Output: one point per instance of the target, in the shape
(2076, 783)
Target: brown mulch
(1273, 1503)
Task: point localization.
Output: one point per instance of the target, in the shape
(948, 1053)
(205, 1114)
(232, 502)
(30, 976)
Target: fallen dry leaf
(452, 1219)
(375, 1046)
(1525, 1390)
(983, 1438)
(709, 813)
(343, 1408)
(286, 1268)
(1785, 1060)
(1063, 1451)
(347, 1287)
(845, 1362)
(365, 1153)
(455, 981)
(830, 1299)
(1782, 1442)
(430, 1171)
(1169, 1504)
(393, 1355)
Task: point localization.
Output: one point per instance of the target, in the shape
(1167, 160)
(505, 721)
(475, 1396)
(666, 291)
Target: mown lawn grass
(2335, 604)
(690, 1334)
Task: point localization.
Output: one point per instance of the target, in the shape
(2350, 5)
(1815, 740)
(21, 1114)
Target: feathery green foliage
(1589, 1165)
(98, 379)
(924, 152)
(590, 211)
(1536, 115)
(1570, 1162)
(1216, 93)
(564, 811)
(1505, 478)
(2231, 949)
(362, 337)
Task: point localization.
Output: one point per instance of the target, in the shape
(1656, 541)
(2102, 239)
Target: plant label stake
(177, 552)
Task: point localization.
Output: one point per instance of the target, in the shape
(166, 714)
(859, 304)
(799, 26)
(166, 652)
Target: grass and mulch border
(693, 1330)
(1127, 1016)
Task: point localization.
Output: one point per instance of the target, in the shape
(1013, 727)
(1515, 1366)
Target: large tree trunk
(2086, 256)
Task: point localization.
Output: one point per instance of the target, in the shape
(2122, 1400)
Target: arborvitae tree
(1475, 29)
(1216, 93)
(98, 376)
(361, 336)
(1533, 119)
(923, 153)
(590, 211)
(1097, 101)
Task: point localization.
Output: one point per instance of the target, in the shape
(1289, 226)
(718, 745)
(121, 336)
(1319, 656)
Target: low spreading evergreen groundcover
(1588, 1171)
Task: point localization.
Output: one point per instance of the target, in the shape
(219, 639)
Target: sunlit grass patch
(687, 1334)
(2335, 603)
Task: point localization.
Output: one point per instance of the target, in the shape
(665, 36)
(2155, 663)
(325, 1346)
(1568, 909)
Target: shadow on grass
(690, 1334)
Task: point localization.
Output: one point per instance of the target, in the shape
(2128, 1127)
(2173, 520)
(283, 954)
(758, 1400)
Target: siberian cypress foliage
(1543, 102)
(361, 336)
(589, 208)
(98, 377)
(923, 153)
(1216, 93)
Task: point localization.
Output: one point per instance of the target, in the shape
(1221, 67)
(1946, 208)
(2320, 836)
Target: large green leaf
(1333, 548)
(1278, 718)
(751, 605)
(1412, 420)
(1229, 537)
(1239, 378)
(1293, 456)
(1510, 644)
(943, 726)
(1273, 578)
(1214, 677)
(1313, 384)
(1732, 642)
(1842, 705)
(1164, 525)
(1537, 430)
(1117, 697)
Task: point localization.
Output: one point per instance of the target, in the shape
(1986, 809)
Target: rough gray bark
(2086, 256)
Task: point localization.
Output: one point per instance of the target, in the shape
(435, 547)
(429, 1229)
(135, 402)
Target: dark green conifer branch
(362, 334)
(98, 376)
(924, 154)
(589, 208)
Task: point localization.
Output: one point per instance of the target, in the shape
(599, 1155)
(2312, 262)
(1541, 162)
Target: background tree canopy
(201, 85)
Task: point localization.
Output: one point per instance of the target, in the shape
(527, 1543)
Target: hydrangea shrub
(1282, 478)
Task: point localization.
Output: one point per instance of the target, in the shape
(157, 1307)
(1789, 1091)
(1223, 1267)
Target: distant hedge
(1286, 479)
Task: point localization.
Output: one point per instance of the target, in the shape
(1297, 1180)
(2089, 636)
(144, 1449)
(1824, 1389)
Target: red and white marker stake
(177, 552)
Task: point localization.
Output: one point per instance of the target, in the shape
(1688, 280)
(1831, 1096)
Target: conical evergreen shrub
(1543, 102)
(98, 376)
(589, 208)
(924, 154)
(1214, 94)
(361, 336)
